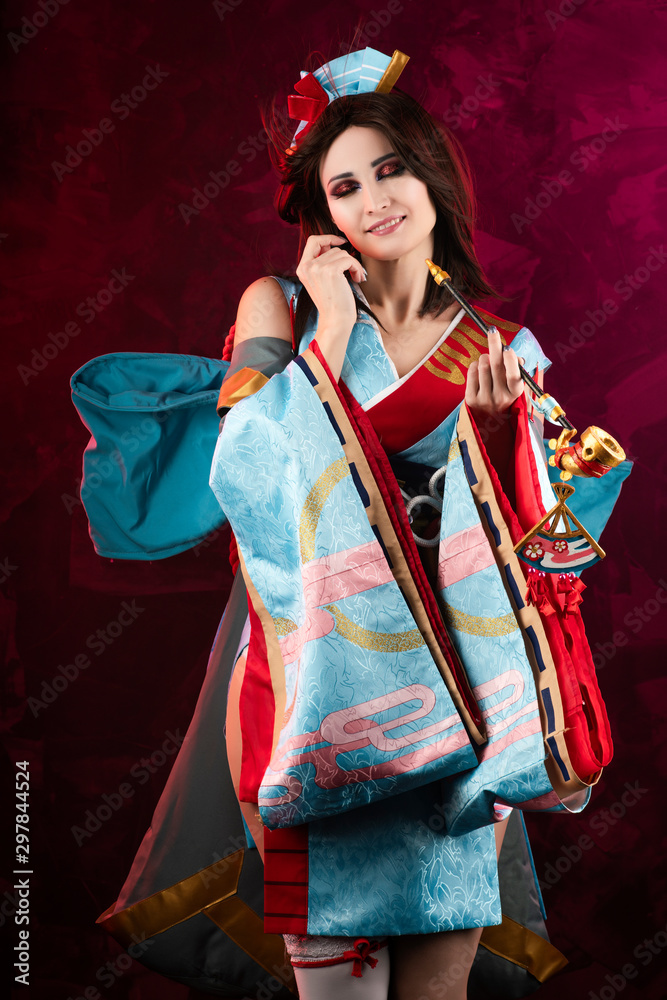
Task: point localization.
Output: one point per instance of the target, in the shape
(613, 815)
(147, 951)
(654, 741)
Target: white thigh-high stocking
(336, 982)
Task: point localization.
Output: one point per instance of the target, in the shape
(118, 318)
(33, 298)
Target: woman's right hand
(322, 272)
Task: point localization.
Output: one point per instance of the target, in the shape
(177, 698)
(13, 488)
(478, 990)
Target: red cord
(229, 344)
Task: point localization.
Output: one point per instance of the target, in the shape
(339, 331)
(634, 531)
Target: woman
(375, 754)
(378, 187)
(360, 180)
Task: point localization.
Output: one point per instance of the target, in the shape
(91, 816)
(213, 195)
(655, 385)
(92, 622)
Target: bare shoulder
(263, 312)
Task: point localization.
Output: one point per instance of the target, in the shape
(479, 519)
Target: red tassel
(569, 589)
(537, 592)
(563, 594)
(228, 346)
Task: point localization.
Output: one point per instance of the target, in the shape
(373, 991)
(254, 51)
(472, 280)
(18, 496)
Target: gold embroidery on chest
(449, 363)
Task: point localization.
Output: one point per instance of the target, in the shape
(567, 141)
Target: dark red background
(554, 72)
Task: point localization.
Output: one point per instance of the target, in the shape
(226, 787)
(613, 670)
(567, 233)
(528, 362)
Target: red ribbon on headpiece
(308, 103)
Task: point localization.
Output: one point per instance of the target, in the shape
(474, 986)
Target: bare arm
(263, 312)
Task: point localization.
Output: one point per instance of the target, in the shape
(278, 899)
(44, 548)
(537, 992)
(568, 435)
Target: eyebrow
(373, 164)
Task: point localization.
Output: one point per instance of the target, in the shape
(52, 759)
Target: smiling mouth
(390, 224)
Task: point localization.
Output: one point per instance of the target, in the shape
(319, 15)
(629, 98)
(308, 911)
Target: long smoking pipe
(595, 454)
(556, 413)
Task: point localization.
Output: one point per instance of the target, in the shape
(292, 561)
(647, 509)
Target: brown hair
(426, 147)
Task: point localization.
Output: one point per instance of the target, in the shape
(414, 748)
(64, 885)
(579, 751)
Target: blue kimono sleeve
(154, 426)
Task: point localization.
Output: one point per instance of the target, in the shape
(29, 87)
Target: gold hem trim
(171, 906)
(523, 947)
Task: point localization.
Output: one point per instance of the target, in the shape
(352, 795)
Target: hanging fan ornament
(559, 543)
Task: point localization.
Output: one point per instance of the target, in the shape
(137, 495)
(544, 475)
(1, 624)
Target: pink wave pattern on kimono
(329, 579)
(520, 730)
(462, 554)
(352, 728)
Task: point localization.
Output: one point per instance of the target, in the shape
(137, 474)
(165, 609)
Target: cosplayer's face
(382, 208)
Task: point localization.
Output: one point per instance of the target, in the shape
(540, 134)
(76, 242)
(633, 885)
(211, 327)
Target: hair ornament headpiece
(360, 72)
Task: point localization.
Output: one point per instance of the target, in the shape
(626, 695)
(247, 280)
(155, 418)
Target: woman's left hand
(493, 381)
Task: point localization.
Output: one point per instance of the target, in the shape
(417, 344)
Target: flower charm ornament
(534, 551)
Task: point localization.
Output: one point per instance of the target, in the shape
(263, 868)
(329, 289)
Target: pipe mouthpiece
(437, 273)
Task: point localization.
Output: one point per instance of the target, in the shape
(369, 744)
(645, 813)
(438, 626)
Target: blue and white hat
(358, 72)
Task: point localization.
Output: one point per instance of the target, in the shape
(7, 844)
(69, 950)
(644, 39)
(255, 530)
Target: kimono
(390, 709)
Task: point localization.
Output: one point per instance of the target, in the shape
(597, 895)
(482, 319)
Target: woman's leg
(430, 966)
(335, 982)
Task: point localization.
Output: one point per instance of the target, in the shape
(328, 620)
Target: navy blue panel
(518, 599)
(491, 523)
(376, 532)
(549, 709)
(334, 422)
(305, 369)
(551, 740)
(361, 489)
(467, 464)
(535, 642)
